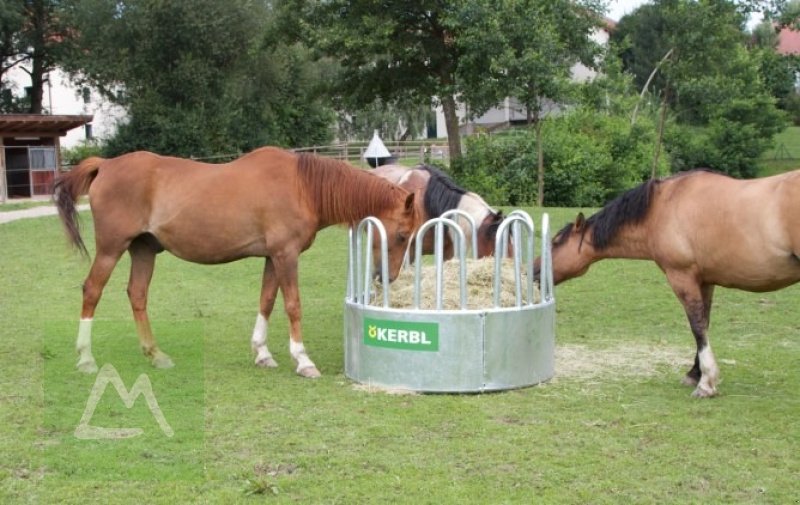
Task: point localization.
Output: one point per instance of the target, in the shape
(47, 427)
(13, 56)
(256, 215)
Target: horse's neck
(631, 242)
(474, 205)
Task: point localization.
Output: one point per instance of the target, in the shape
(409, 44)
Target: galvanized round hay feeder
(466, 350)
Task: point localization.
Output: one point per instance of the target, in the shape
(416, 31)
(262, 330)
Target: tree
(504, 55)
(197, 78)
(399, 53)
(32, 35)
(710, 79)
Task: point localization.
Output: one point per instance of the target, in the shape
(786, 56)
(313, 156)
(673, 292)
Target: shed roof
(40, 124)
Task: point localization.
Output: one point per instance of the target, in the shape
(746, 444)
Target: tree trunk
(661, 120)
(37, 85)
(451, 122)
(540, 162)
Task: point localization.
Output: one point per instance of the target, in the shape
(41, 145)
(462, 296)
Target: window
(87, 128)
(87, 95)
(42, 158)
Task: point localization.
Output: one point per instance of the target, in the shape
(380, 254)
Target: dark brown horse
(438, 194)
(269, 203)
(702, 229)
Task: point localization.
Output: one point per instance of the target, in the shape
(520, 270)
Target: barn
(30, 152)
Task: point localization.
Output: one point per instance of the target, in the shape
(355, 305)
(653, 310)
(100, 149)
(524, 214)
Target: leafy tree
(197, 78)
(397, 52)
(505, 55)
(709, 79)
(32, 35)
(477, 51)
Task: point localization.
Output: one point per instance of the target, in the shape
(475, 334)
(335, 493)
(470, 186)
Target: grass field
(623, 430)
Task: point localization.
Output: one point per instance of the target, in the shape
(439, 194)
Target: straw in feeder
(479, 284)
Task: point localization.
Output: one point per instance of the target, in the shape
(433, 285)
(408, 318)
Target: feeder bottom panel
(441, 351)
(519, 347)
(420, 351)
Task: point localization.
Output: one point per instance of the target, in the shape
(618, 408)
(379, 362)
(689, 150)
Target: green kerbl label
(411, 336)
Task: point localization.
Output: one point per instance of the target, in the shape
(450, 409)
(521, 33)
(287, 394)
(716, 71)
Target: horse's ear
(410, 202)
(580, 221)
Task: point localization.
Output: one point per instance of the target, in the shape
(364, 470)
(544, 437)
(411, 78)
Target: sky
(619, 8)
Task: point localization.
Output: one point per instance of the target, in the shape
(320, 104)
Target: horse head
(571, 252)
(400, 222)
(487, 235)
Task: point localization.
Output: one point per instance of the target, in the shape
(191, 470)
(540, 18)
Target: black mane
(630, 207)
(441, 194)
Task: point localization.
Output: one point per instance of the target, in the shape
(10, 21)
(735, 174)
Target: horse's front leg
(286, 272)
(269, 291)
(696, 299)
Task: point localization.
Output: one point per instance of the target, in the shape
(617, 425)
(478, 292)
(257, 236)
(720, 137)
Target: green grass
(784, 155)
(270, 435)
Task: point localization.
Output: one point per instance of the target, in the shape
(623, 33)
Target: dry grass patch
(580, 362)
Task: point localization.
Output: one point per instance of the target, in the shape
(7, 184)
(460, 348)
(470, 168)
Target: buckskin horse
(703, 229)
(436, 194)
(269, 203)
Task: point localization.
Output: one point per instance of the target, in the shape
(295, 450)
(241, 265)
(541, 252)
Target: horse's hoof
(309, 372)
(163, 361)
(266, 362)
(704, 392)
(87, 366)
(689, 381)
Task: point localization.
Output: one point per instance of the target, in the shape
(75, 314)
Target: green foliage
(737, 136)
(589, 158)
(711, 81)
(198, 78)
(503, 54)
(32, 36)
(74, 155)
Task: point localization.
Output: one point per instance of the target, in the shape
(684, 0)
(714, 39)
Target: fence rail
(408, 151)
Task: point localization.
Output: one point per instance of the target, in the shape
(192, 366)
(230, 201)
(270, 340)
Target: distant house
(511, 111)
(788, 45)
(61, 97)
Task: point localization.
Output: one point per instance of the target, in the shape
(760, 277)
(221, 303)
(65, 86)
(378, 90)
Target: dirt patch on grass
(580, 362)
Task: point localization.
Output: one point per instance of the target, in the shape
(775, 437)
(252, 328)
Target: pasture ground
(614, 426)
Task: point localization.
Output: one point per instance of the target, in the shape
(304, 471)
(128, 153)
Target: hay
(480, 286)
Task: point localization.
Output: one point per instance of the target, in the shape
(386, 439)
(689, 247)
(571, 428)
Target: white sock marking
(298, 352)
(259, 340)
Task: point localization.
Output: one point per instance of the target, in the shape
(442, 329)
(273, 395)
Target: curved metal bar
(361, 292)
(472, 226)
(440, 223)
(519, 222)
(531, 247)
(546, 265)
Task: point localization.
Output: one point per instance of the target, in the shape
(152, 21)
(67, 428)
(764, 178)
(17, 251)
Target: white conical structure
(376, 149)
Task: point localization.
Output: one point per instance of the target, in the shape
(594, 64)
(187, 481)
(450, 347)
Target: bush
(80, 152)
(733, 141)
(589, 158)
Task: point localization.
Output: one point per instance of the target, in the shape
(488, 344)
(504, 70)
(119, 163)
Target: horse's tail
(66, 191)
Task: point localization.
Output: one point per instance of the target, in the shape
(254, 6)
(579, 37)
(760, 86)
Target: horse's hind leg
(143, 256)
(269, 290)
(286, 272)
(102, 266)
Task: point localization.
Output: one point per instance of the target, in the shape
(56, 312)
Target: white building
(61, 97)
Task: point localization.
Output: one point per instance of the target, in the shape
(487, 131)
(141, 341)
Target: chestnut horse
(703, 229)
(269, 203)
(437, 194)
